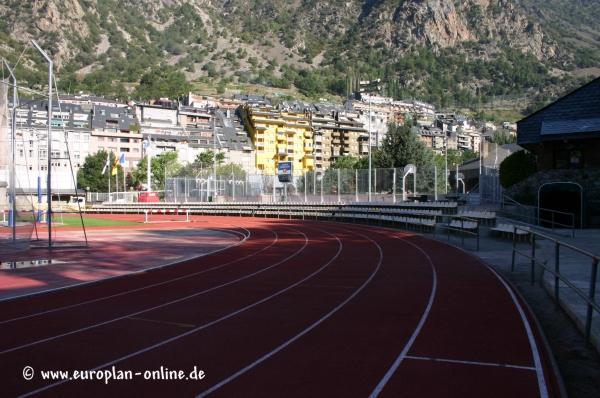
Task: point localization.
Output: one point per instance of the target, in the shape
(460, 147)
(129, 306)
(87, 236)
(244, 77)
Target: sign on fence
(284, 171)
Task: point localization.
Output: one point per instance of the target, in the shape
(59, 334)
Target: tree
(517, 167)
(345, 162)
(162, 166)
(226, 170)
(401, 147)
(162, 81)
(90, 175)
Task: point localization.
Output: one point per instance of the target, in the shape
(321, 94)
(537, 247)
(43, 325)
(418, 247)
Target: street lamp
(49, 153)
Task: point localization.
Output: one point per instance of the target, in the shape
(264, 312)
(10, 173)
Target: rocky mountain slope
(451, 52)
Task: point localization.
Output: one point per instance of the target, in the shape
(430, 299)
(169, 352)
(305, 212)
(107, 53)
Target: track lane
(347, 353)
(98, 315)
(103, 340)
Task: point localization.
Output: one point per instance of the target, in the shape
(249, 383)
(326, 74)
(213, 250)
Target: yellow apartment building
(280, 136)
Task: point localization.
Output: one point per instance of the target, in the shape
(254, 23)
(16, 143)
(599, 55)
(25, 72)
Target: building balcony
(308, 134)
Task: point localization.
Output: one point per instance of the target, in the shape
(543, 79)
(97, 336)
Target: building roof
(574, 116)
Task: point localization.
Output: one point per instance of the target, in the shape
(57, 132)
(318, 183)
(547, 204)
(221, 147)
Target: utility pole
(49, 153)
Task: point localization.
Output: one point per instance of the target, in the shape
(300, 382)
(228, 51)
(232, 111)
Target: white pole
(446, 160)
(369, 148)
(457, 178)
(274, 189)
(215, 152)
(232, 183)
(394, 186)
(117, 182)
(49, 171)
(404, 187)
(415, 182)
(13, 194)
(149, 162)
(435, 195)
(305, 185)
(321, 188)
(356, 185)
(109, 173)
(339, 187)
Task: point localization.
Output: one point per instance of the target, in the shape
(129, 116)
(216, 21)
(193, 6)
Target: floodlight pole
(13, 195)
(49, 153)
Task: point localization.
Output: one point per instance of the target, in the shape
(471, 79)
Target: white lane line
(532, 343)
(302, 333)
(123, 293)
(541, 379)
(475, 363)
(388, 375)
(140, 271)
(201, 327)
(93, 326)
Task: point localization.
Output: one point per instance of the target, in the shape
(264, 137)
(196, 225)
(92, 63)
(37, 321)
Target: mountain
(460, 53)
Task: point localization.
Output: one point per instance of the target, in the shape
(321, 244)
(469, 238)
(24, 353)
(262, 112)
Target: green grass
(71, 221)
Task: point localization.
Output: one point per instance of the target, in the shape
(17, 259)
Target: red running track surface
(307, 309)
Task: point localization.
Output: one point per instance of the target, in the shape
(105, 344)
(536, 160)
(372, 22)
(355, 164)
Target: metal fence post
(305, 186)
(592, 297)
(321, 188)
(356, 185)
(514, 248)
(532, 258)
(556, 269)
(339, 187)
(394, 186)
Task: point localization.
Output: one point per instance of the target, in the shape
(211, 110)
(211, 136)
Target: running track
(297, 308)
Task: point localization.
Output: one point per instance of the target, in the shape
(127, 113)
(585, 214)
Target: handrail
(537, 219)
(589, 298)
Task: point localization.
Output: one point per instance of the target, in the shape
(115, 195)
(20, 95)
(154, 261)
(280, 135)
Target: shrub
(517, 167)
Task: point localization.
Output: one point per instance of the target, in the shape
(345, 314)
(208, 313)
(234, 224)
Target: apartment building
(116, 130)
(280, 136)
(70, 138)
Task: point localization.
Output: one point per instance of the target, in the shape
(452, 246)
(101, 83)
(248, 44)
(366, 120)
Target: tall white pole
(13, 190)
(339, 187)
(148, 163)
(215, 154)
(232, 183)
(369, 148)
(321, 188)
(457, 178)
(435, 195)
(49, 171)
(394, 186)
(446, 160)
(305, 185)
(356, 185)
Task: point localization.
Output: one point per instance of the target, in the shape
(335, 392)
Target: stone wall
(527, 190)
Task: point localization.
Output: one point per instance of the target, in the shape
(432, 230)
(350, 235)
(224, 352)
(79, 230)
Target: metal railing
(460, 229)
(589, 297)
(538, 215)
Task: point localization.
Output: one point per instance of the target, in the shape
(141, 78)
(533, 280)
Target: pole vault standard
(49, 153)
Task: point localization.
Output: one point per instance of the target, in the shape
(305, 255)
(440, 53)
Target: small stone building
(565, 137)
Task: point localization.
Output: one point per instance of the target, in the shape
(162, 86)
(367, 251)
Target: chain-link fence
(333, 185)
